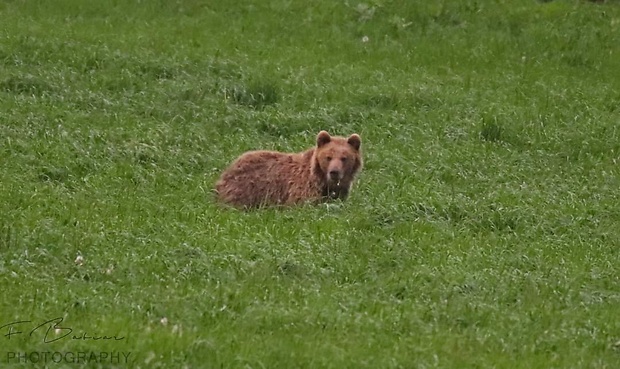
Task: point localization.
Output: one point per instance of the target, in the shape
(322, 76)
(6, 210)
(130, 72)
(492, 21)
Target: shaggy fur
(323, 172)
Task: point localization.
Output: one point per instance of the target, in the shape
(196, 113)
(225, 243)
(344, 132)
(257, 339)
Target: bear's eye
(329, 158)
(344, 159)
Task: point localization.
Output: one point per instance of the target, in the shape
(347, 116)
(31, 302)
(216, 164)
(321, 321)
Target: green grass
(482, 233)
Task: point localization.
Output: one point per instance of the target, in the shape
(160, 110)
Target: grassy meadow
(483, 231)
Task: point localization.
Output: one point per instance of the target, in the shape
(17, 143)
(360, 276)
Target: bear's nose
(334, 174)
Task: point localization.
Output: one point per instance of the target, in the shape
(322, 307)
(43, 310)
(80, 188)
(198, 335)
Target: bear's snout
(335, 175)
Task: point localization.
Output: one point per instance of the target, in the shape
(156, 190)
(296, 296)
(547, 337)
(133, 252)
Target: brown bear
(263, 178)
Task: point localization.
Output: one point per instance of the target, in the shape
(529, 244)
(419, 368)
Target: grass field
(483, 232)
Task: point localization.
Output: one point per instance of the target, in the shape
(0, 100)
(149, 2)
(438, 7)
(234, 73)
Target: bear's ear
(355, 141)
(323, 138)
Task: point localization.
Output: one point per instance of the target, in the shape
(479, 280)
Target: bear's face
(338, 158)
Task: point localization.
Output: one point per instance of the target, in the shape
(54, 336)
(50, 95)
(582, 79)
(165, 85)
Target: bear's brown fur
(263, 178)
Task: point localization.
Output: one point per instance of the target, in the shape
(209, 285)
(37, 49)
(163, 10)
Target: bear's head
(338, 159)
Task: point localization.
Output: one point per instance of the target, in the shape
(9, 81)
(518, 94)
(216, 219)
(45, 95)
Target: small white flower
(79, 260)
(164, 321)
(365, 39)
(149, 357)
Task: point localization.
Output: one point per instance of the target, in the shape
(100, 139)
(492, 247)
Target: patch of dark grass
(423, 101)
(577, 59)
(576, 149)
(126, 84)
(93, 63)
(157, 71)
(224, 70)
(197, 94)
(7, 236)
(5, 57)
(491, 131)
(95, 103)
(349, 119)
(28, 85)
(495, 220)
(256, 95)
(285, 128)
(145, 159)
(53, 174)
(388, 219)
(451, 213)
(400, 293)
(504, 129)
(612, 103)
(140, 153)
(454, 213)
(447, 17)
(426, 212)
(601, 141)
(291, 269)
(383, 101)
(492, 219)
